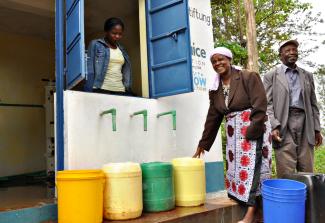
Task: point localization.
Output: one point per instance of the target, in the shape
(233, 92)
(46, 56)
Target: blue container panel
(74, 26)
(75, 66)
(170, 65)
(161, 3)
(167, 49)
(214, 176)
(75, 42)
(69, 3)
(177, 18)
(171, 79)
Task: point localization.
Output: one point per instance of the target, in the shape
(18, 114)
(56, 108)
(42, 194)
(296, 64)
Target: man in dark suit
(293, 112)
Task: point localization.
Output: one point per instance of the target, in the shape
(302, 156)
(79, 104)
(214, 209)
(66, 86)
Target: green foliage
(223, 142)
(320, 160)
(273, 165)
(276, 21)
(320, 89)
(239, 52)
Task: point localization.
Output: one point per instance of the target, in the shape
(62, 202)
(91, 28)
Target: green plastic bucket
(158, 186)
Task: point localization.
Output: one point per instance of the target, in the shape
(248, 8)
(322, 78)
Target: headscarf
(222, 51)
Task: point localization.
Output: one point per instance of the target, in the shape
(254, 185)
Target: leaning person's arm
(268, 85)
(314, 106)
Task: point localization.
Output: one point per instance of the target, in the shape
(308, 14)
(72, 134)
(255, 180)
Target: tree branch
(266, 17)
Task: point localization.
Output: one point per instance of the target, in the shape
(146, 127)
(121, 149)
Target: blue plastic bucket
(283, 201)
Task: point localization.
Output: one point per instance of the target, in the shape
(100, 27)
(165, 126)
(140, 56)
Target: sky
(318, 56)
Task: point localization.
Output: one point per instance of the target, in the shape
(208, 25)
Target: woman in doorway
(239, 96)
(108, 64)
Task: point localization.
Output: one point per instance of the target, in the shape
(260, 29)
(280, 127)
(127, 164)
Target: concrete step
(27, 204)
(218, 209)
(40, 213)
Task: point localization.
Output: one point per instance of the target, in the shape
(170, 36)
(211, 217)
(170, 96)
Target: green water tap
(113, 112)
(145, 118)
(173, 113)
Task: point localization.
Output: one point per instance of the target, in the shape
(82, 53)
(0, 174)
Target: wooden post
(251, 36)
(239, 23)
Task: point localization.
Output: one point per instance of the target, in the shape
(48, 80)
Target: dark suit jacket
(246, 91)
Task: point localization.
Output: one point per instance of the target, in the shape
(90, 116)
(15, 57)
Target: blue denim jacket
(97, 63)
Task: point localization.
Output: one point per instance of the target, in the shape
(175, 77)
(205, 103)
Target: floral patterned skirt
(248, 162)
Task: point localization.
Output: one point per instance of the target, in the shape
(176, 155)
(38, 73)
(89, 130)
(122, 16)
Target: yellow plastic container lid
(127, 167)
(79, 174)
(187, 161)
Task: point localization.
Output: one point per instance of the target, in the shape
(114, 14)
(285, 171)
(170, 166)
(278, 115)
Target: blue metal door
(59, 70)
(75, 43)
(170, 66)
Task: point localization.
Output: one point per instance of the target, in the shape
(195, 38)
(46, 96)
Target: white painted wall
(90, 141)
(24, 61)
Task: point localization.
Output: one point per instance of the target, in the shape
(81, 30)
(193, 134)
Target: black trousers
(102, 91)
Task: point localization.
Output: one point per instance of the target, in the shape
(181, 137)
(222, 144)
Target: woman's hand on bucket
(199, 152)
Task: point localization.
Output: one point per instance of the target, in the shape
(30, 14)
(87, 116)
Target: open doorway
(130, 11)
(27, 59)
(159, 47)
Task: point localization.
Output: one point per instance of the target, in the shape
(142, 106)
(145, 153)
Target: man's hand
(276, 135)
(318, 139)
(199, 152)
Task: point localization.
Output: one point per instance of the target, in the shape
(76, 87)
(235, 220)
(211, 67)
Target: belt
(297, 110)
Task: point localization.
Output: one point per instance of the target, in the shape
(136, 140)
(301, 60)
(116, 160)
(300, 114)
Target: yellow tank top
(113, 77)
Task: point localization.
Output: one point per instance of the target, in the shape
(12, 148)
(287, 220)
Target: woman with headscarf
(239, 96)
(108, 64)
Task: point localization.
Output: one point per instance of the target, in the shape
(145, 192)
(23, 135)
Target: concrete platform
(28, 204)
(13, 198)
(33, 209)
(216, 210)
